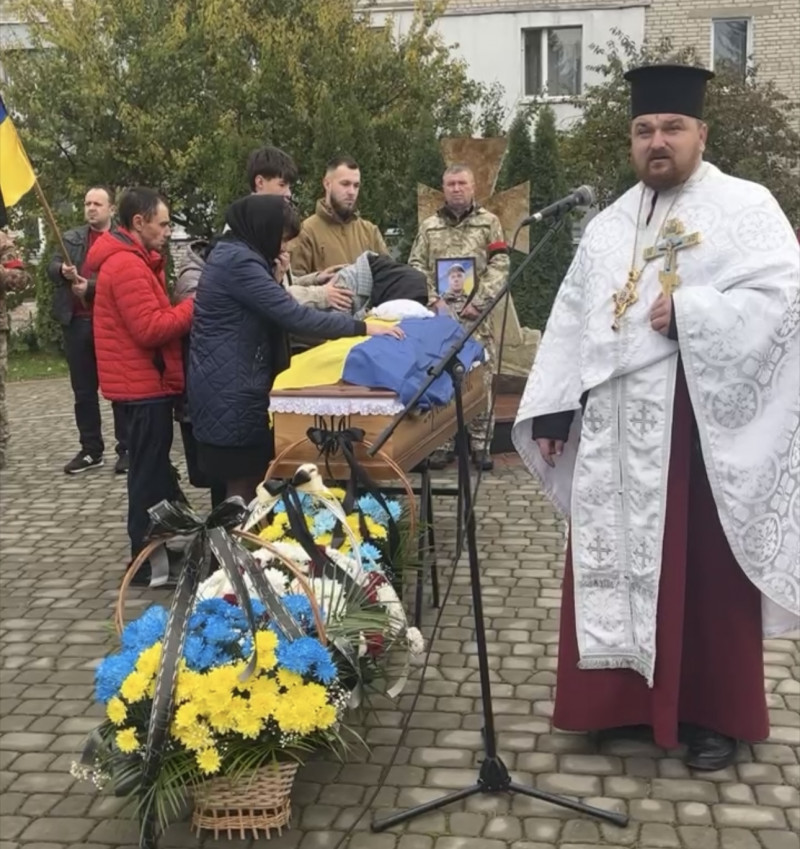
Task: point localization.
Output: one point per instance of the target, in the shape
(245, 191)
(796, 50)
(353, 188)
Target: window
(730, 44)
(553, 61)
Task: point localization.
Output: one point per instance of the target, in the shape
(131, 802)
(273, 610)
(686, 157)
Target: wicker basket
(260, 803)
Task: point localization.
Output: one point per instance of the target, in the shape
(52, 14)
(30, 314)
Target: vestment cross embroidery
(644, 419)
(674, 240)
(599, 549)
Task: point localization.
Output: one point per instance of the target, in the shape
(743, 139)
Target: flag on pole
(16, 173)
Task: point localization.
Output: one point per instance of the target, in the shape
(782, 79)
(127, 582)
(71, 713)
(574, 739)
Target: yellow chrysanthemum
(324, 539)
(337, 492)
(116, 711)
(248, 724)
(303, 709)
(221, 679)
(134, 687)
(263, 704)
(221, 720)
(195, 737)
(288, 679)
(266, 643)
(186, 715)
(294, 716)
(326, 716)
(272, 533)
(208, 760)
(126, 740)
(376, 531)
(149, 660)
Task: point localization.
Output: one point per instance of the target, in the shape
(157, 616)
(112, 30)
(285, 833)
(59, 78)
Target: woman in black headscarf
(240, 341)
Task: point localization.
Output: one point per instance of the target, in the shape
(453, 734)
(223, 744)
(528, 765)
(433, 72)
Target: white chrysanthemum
(388, 598)
(215, 586)
(329, 595)
(416, 642)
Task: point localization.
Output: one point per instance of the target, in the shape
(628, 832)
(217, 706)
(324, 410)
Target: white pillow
(401, 308)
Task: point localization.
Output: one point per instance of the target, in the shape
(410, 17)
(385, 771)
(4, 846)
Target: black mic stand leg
(493, 776)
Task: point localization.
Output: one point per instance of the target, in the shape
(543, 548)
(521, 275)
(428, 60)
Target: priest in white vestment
(662, 415)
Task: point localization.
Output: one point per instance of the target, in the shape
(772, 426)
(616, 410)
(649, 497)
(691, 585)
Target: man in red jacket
(139, 361)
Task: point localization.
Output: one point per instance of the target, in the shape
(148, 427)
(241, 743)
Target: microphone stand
(493, 776)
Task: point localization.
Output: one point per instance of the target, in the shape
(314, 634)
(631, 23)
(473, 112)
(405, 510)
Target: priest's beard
(664, 169)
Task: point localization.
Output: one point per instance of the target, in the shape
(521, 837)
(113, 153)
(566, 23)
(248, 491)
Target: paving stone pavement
(62, 549)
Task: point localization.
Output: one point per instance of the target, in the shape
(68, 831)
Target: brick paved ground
(63, 546)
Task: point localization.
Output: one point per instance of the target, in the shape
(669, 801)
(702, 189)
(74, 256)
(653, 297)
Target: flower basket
(219, 698)
(246, 808)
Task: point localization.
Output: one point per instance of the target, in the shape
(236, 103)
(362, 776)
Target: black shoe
(482, 461)
(82, 463)
(710, 751)
(122, 464)
(142, 577)
(441, 459)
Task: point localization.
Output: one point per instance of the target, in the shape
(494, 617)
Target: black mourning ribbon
(329, 442)
(209, 539)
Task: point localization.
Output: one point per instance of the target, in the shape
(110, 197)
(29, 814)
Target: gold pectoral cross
(673, 241)
(625, 297)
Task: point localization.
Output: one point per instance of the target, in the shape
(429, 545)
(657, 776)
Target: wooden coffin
(413, 440)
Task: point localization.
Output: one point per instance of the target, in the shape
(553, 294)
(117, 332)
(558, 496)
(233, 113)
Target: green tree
(517, 168)
(548, 183)
(174, 95)
(751, 126)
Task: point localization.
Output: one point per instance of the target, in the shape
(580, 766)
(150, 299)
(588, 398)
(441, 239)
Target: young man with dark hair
(336, 234)
(138, 342)
(270, 171)
(73, 301)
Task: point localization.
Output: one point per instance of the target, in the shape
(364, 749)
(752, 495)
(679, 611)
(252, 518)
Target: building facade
(735, 32)
(532, 47)
(529, 47)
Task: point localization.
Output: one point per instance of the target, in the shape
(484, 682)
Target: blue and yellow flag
(16, 173)
(383, 362)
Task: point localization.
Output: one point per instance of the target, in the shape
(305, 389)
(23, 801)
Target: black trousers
(196, 476)
(151, 476)
(79, 349)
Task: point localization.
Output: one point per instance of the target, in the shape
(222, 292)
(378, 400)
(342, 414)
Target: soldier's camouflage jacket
(476, 234)
(13, 276)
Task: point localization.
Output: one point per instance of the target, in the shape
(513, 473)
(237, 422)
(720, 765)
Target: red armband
(496, 248)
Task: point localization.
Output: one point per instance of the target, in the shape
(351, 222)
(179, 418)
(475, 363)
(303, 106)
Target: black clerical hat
(678, 89)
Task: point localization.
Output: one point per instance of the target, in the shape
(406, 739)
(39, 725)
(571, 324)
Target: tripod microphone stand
(493, 776)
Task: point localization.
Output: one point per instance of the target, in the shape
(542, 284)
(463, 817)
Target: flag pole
(51, 220)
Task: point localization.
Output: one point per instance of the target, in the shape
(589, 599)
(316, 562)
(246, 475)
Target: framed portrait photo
(455, 276)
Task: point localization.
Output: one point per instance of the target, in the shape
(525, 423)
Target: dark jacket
(76, 242)
(137, 332)
(239, 343)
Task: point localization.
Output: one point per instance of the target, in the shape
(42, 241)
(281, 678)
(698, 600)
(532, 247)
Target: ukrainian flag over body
(16, 174)
(382, 362)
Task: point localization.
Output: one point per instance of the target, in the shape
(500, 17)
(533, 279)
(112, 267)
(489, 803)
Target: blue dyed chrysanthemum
(324, 523)
(370, 506)
(370, 556)
(299, 607)
(306, 656)
(111, 672)
(218, 630)
(146, 630)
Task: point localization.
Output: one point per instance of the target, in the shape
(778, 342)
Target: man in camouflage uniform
(462, 229)
(13, 277)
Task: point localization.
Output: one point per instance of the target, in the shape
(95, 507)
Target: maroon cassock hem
(709, 651)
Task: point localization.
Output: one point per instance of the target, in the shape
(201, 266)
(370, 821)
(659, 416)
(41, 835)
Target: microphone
(583, 196)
